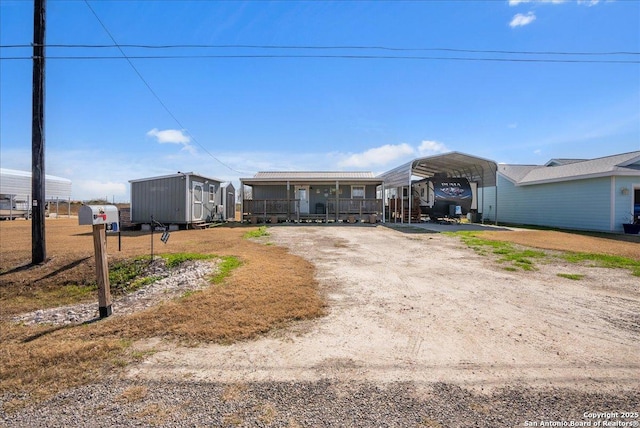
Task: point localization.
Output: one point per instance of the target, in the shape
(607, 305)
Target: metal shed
(15, 192)
(185, 199)
(454, 164)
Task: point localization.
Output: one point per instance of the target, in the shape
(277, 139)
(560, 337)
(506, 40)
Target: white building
(15, 192)
(583, 194)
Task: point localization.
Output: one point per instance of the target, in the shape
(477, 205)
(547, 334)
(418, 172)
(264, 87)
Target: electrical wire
(357, 57)
(337, 47)
(157, 97)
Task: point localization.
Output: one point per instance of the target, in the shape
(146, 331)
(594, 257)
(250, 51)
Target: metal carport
(454, 164)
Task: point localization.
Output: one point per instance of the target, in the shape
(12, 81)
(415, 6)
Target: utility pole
(38, 244)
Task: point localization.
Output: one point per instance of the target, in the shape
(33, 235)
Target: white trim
(212, 193)
(195, 184)
(612, 205)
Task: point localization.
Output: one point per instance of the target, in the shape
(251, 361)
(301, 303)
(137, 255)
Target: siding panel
(580, 204)
(163, 198)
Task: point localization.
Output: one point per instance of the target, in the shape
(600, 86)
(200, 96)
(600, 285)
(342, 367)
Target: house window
(212, 193)
(357, 192)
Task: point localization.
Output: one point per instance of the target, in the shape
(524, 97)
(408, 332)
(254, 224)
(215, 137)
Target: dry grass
(268, 290)
(134, 394)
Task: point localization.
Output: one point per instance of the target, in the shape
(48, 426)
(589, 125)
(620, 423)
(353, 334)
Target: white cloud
(512, 125)
(389, 154)
(377, 156)
(173, 136)
(427, 148)
(520, 20)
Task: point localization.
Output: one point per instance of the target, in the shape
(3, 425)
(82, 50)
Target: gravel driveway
(420, 331)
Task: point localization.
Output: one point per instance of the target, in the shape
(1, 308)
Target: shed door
(231, 206)
(302, 193)
(197, 191)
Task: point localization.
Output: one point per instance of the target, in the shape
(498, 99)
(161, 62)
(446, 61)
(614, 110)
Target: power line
(355, 57)
(157, 97)
(335, 47)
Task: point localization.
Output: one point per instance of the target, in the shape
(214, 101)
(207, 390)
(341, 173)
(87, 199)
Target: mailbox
(99, 214)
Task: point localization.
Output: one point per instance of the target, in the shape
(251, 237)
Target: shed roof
(454, 164)
(178, 174)
(621, 164)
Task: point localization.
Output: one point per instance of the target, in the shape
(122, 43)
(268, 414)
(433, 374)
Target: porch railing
(270, 207)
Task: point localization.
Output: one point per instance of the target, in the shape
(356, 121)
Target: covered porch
(273, 197)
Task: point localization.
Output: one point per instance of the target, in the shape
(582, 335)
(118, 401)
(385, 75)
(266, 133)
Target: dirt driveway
(424, 308)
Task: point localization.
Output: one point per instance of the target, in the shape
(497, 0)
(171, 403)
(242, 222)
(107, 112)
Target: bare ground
(425, 309)
(419, 331)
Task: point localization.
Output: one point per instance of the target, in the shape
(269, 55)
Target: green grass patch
(174, 260)
(517, 257)
(257, 233)
(605, 260)
(573, 276)
(524, 258)
(227, 265)
(127, 276)
(75, 292)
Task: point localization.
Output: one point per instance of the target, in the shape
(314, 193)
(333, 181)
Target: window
(212, 193)
(357, 192)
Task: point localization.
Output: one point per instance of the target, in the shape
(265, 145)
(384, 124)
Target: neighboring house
(311, 195)
(15, 192)
(595, 194)
(185, 199)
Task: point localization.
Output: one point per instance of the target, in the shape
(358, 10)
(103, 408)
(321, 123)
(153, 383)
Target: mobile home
(326, 196)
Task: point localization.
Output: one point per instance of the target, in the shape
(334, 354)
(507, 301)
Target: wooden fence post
(102, 270)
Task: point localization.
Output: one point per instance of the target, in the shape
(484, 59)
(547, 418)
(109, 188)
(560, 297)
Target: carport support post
(102, 270)
(337, 201)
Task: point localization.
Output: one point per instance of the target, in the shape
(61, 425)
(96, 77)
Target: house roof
(454, 164)
(561, 161)
(616, 165)
(311, 176)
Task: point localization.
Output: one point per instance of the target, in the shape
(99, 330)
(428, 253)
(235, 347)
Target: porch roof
(297, 177)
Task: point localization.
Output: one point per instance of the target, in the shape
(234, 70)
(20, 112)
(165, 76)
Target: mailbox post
(102, 218)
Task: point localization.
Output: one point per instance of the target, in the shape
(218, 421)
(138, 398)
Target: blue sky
(285, 104)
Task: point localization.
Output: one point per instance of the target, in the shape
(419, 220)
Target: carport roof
(454, 164)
